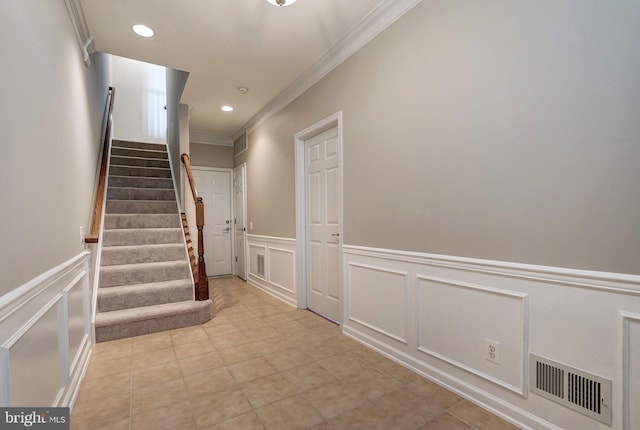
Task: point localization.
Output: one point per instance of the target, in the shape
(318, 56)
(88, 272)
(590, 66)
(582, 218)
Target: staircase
(146, 284)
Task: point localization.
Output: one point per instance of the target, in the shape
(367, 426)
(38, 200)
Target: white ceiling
(227, 43)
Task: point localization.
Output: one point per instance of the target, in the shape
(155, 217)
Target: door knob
(335, 234)
(226, 230)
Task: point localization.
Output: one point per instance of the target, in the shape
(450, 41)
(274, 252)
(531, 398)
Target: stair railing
(96, 222)
(202, 283)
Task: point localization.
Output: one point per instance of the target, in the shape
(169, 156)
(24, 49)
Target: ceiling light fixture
(281, 2)
(143, 30)
(227, 108)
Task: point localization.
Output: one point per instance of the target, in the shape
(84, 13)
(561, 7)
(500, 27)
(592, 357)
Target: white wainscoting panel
(585, 319)
(472, 314)
(279, 254)
(378, 299)
(45, 338)
(630, 370)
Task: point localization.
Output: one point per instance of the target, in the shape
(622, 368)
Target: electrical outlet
(250, 225)
(492, 351)
(81, 234)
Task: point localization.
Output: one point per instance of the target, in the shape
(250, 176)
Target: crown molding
(210, 140)
(81, 29)
(385, 14)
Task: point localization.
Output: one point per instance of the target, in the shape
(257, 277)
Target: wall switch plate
(81, 234)
(492, 351)
(250, 225)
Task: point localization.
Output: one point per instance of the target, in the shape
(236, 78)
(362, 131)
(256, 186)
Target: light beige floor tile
(320, 349)
(228, 340)
(479, 418)
(250, 324)
(334, 398)
(112, 349)
(157, 396)
(96, 389)
(191, 349)
(308, 376)
(151, 342)
(289, 327)
(371, 383)
(290, 413)
(209, 381)
(200, 363)
(343, 365)
(263, 333)
(124, 424)
(153, 358)
(155, 374)
(366, 354)
(251, 369)
(268, 389)
(446, 422)
(280, 318)
(396, 371)
(366, 417)
(406, 409)
(92, 415)
(171, 417)
(248, 421)
(288, 359)
(109, 366)
(188, 335)
(217, 407)
(433, 392)
(279, 343)
(220, 329)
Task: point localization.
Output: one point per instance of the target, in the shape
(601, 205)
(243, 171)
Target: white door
(239, 219)
(215, 189)
(323, 212)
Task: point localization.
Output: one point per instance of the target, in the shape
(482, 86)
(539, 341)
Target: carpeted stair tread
(140, 182)
(150, 319)
(151, 172)
(141, 207)
(140, 153)
(139, 162)
(135, 193)
(149, 294)
(143, 273)
(141, 236)
(139, 145)
(133, 254)
(137, 221)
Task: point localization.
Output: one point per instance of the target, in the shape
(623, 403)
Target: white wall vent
(240, 144)
(261, 265)
(576, 389)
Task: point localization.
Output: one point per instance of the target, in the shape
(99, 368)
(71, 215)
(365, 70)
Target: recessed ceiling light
(142, 30)
(227, 108)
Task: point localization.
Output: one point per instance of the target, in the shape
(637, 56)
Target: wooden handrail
(94, 233)
(202, 283)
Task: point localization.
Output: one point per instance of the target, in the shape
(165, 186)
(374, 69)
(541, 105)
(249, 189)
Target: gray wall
(51, 113)
(498, 130)
(203, 155)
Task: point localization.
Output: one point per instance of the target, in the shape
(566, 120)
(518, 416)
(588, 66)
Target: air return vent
(578, 390)
(261, 265)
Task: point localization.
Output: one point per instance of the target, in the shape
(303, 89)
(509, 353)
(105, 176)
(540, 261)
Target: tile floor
(261, 364)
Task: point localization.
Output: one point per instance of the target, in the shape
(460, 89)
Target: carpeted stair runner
(145, 279)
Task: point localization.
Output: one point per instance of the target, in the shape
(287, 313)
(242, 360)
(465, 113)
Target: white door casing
(319, 217)
(214, 186)
(240, 219)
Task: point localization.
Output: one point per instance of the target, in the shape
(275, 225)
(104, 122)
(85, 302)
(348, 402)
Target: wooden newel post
(203, 281)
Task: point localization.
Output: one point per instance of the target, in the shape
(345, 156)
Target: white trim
(273, 239)
(623, 411)
(604, 281)
(243, 169)
(81, 29)
(207, 139)
(385, 14)
(327, 123)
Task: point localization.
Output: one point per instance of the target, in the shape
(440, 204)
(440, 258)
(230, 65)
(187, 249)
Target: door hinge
(236, 259)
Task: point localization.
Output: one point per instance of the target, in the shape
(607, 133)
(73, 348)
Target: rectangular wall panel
(630, 370)
(455, 321)
(281, 269)
(35, 361)
(378, 299)
(254, 251)
(76, 320)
